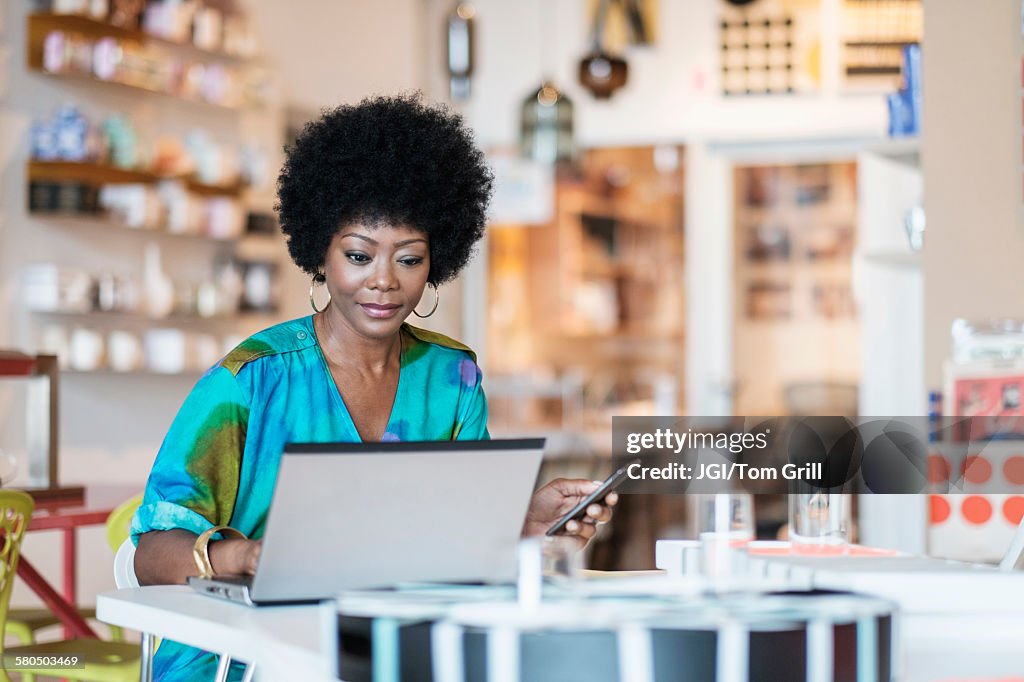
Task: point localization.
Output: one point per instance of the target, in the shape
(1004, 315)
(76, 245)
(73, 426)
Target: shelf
(102, 174)
(785, 267)
(888, 70)
(44, 22)
(905, 150)
(631, 339)
(881, 43)
(902, 259)
(101, 221)
(191, 375)
(137, 318)
(90, 80)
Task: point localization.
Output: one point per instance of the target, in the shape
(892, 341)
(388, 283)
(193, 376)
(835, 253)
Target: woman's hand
(556, 499)
(235, 557)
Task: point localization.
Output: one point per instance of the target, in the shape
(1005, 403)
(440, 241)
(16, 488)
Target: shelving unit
(42, 24)
(596, 294)
(874, 35)
(206, 217)
(795, 316)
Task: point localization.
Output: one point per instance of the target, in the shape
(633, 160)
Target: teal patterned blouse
(219, 460)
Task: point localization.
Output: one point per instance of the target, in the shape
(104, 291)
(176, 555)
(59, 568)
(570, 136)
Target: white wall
(974, 243)
(329, 53)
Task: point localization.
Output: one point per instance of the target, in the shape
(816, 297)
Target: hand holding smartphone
(580, 510)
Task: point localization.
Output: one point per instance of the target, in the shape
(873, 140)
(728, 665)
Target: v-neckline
(329, 377)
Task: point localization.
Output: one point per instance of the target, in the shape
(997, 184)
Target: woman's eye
(358, 257)
(411, 261)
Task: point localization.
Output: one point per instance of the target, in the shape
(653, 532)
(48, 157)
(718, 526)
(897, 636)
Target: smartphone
(580, 510)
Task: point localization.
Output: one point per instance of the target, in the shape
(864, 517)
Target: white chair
(124, 566)
(124, 577)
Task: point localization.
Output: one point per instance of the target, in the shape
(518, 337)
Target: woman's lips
(381, 311)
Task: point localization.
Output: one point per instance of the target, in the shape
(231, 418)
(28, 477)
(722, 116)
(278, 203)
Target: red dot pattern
(938, 468)
(977, 469)
(976, 509)
(1013, 509)
(1013, 469)
(938, 508)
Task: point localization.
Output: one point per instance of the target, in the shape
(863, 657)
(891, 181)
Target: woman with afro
(379, 201)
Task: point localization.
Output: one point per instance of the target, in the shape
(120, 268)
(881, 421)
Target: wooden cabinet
(796, 330)
(597, 293)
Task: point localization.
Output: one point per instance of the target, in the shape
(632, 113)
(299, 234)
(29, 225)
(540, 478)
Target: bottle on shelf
(159, 290)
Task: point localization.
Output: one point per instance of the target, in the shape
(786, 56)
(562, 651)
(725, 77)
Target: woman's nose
(382, 277)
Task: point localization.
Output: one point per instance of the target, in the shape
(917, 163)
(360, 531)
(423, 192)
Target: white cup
(124, 351)
(86, 350)
(165, 350)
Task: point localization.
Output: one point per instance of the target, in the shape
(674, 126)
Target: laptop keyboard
(234, 579)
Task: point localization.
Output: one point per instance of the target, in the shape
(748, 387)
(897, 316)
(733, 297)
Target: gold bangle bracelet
(201, 550)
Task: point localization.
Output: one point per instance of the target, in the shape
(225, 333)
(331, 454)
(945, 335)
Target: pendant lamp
(546, 125)
(546, 115)
(601, 72)
(459, 28)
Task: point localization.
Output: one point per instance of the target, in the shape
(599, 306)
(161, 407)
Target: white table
(285, 642)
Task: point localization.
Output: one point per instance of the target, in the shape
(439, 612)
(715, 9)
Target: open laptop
(357, 515)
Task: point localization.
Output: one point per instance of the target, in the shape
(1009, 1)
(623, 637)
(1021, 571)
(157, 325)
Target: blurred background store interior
(737, 228)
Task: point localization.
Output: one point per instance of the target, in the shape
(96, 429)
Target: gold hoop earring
(437, 299)
(318, 279)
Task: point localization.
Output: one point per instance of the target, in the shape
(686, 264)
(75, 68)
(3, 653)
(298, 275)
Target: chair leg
(223, 665)
(146, 658)
(250, 671)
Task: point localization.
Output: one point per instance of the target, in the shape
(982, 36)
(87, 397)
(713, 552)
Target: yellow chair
(23, 624)
(103, 661)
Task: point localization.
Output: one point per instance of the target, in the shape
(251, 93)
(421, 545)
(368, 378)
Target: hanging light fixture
(459, 28)
(546, 125)
(546, 115)
(600, 72)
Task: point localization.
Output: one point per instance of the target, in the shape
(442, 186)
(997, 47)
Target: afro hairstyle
(386, 160)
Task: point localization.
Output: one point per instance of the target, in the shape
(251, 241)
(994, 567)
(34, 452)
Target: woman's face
(376, 276)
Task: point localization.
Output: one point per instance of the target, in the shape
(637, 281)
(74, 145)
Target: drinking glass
(562, 559)
(725, 524)
(819, 520)
(727, 516)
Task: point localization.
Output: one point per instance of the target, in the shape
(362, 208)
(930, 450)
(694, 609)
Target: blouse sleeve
(471, 422)
(194, 481)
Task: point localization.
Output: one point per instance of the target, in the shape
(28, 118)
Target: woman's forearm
(164, 557)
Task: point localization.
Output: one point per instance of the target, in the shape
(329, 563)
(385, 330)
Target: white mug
(86, 350)
(124, 351)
